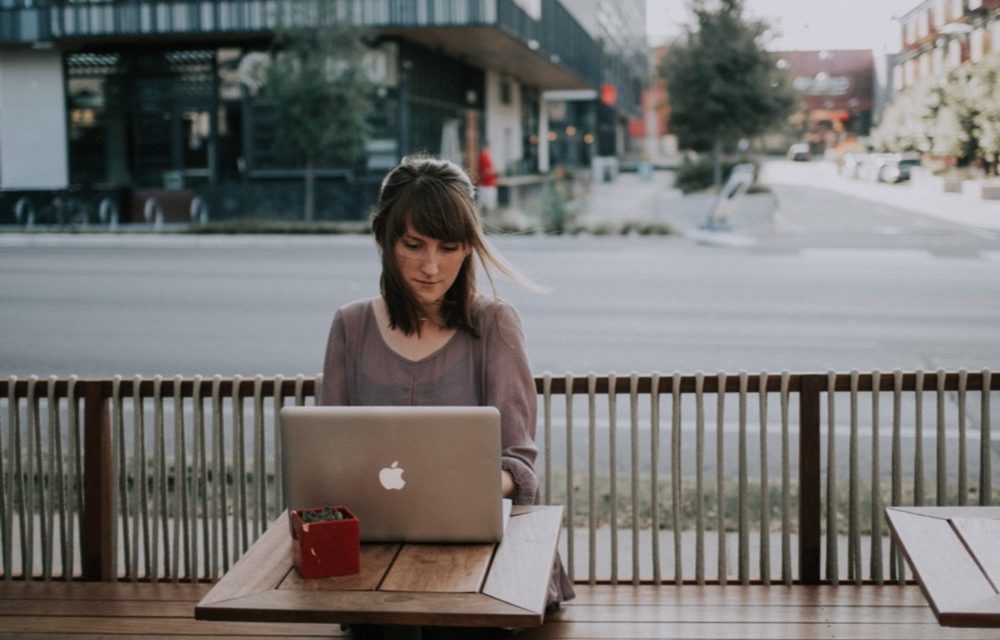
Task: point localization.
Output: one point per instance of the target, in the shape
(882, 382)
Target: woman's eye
(411, 245)
(449, 248)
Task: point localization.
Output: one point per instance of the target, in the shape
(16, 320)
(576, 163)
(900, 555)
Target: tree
(319, 93)
(723, 85)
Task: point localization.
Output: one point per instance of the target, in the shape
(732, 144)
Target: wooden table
(476, 585)
(955, 554)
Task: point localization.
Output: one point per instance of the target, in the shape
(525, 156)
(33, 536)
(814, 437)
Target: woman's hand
(506, 483)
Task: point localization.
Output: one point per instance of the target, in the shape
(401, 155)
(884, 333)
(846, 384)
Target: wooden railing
(172, 479)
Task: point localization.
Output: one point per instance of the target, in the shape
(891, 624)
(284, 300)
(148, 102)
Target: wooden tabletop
(495, 585)
(955, 554)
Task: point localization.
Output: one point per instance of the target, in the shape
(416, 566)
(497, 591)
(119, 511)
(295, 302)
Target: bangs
(435, 210)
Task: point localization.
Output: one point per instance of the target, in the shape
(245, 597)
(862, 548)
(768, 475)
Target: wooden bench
(91, 610)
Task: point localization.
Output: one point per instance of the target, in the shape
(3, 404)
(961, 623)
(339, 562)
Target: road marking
(824, 253)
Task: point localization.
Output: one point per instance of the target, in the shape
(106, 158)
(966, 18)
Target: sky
(801, 24)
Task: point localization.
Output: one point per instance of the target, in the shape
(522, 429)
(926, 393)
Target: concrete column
(543, 135)
(33, 140)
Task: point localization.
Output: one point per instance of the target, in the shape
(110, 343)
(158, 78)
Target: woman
(429, 338)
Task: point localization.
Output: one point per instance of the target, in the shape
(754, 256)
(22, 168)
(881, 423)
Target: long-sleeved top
(492, 370)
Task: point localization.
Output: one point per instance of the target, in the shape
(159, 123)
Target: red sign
(609, 94)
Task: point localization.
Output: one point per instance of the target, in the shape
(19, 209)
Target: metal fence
(665, 478)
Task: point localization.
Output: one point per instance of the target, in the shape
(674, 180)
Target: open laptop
(410, 474)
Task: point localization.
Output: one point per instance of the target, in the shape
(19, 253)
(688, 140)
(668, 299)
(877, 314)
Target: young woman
(430, 338)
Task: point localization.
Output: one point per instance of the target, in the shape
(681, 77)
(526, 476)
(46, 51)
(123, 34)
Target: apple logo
(392, 477)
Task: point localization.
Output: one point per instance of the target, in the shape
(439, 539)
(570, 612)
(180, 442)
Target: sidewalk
(629, 201)
(952, 207)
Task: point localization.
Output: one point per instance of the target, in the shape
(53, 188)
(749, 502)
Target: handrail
(104, 487)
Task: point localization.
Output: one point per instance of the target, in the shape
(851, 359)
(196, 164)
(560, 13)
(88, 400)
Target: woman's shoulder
(354, 312)
(496, 316)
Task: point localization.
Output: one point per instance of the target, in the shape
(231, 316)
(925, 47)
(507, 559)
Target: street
(830, 282)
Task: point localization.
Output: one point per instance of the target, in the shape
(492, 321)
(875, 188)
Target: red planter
(325, 548)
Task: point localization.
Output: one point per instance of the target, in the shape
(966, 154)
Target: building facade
(132, 98)
(938, 35)
(837, 89)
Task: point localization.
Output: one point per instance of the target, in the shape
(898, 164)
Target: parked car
(887, 167)
(799, 152)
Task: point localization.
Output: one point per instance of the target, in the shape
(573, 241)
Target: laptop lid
(410, 474)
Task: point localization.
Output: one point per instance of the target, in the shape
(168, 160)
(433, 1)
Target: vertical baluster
(985, 451)
(699, 477)
(786, 484)
(75, 486)
(34, 455)
(720, 475)
(199, 501)
(140, 508)
(220, 537)
(654, 467)
(875, 568)
(744, 502)
(918, 444)
(299, 390)
(613, 464)
(765, 499)
(159, 481)
(853, 490)
(942, 444)
(260, 469)
(119, 497)
(547, 435)
(279, 479)
(181, 541)
(53, 478)
(963, 461)
(570, 482)
(10, 493)
(832, 530)
(592, 476)
(675, 476)
(633, 390)
(239, 472)
(897, 570)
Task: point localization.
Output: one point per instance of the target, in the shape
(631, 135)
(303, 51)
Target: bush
(696, 175)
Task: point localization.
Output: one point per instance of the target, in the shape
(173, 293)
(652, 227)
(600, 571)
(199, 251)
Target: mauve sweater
(361, 369)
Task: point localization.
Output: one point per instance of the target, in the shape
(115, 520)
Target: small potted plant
(325, 541)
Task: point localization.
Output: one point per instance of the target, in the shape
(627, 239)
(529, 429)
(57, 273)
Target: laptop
(410, 474)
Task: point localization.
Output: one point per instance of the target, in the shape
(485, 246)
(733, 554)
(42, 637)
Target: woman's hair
(436, 198)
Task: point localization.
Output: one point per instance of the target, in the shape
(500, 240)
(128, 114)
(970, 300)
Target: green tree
(723, 85)
(319, 93)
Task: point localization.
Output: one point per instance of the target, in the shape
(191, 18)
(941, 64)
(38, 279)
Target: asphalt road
(829, 283)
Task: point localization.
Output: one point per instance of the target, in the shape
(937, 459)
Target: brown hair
(437, 199)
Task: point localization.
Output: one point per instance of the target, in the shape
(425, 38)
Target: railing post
(810, 535)
(95, 537)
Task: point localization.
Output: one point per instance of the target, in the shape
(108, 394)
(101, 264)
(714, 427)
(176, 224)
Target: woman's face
(429, 266)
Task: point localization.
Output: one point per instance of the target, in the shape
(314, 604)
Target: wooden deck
(98, 610)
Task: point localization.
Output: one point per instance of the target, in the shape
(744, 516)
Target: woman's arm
(334, 391)
(510, 387)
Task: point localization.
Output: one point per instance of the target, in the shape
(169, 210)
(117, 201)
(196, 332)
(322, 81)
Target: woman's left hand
(506, 483)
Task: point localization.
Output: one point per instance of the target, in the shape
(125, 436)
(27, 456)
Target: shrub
(696, 175)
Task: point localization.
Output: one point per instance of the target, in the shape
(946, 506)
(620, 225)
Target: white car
(799, 152)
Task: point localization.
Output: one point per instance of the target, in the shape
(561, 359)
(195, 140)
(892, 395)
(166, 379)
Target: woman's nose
(430, 263)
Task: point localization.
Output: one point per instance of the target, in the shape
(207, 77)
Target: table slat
(523, 562)
(375, 561)
(956, 587)
(439, 568)
(982, 537)
(262, 567)
(375, 607)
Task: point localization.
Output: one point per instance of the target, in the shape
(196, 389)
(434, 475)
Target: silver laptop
(410, 474)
